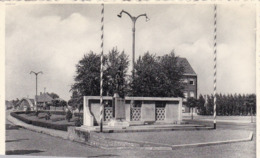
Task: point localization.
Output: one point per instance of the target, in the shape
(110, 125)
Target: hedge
(15, 114)
(76, 114)
(40, 123)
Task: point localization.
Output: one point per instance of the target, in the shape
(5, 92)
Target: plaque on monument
(119, 108)
(119, 120)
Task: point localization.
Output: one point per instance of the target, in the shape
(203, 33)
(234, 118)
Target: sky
(52, 38)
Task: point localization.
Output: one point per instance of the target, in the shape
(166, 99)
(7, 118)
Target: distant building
(9, 104)
(24, 104)
(43, 99)
(189, 82)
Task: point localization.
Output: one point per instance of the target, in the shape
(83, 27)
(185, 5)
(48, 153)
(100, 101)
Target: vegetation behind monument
(155, 76)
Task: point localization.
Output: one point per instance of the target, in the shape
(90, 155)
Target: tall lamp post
(134, 19)
(36, 74)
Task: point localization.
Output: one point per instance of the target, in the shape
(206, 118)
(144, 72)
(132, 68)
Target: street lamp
(36, 74)
(134, 19)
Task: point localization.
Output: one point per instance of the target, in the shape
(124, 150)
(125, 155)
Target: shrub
(39, 123)
(50, 125)
(68, 115)
(78, 114)
(48, 116)
(37, 113)
(79, 122)
(15, 115)
(28, 109)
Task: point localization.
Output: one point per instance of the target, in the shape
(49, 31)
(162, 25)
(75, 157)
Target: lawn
(55, 119)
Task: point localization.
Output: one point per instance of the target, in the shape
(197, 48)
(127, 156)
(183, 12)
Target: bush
(28, 109)
(68, 115)
(37, 113)
(79, 122)
(48, 116)
(15, 115)
(39, 123)
(77, 114)
(50, 125)
(58, 112)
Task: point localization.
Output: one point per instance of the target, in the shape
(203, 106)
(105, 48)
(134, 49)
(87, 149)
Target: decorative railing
(160, 113)
(135, 113)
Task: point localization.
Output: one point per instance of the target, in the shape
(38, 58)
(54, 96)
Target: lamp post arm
(141, 15)
(33, 72)
(132, 18)
(36, 73)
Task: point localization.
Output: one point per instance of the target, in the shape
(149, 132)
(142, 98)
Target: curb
(172, 147)
(249, 138)
(222, 121)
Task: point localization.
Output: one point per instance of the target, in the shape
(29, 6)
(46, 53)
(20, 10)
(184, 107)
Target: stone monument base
(118, 123)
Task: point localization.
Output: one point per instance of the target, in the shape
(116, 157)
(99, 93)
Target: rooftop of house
(44, 97)
(188, 70)
(9, 103)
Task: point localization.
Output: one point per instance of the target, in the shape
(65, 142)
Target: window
(191, 82)
(192, 94)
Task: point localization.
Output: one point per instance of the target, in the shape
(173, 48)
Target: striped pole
(215, 63)
(101, 69)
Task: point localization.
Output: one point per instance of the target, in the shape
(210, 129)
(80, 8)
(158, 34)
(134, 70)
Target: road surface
(21, 141)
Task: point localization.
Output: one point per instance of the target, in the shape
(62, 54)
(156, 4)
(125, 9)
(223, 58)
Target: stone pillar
(88, 119)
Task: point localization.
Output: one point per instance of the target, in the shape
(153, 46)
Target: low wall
(137, 110)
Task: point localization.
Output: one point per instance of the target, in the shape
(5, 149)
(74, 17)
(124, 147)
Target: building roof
(188, 70)
(9, 103)
(30, 101)
(44, 97)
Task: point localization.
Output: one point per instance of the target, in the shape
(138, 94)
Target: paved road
(20, 141)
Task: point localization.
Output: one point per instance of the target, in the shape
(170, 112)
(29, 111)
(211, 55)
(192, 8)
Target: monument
(119, 109)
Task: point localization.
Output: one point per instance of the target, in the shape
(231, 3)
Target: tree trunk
(251, 115)
(192, 113)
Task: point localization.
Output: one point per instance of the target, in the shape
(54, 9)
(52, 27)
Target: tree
(53, 95)
(157, 76)
(250, 103)
(115, 77)
(201, 105)
(87, 79)
(192, 103)
(55, 103)
(62, 104)
(76, 101)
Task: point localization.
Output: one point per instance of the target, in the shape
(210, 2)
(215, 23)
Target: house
(24, 104)
(189, 82)
(9, 105)
(43, 99)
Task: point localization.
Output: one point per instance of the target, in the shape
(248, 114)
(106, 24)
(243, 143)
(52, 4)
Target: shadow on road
(21, 152)
(11, 127)
(16, 140)
(108, 155)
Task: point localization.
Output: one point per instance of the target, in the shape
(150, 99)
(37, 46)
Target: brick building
(189, 82)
